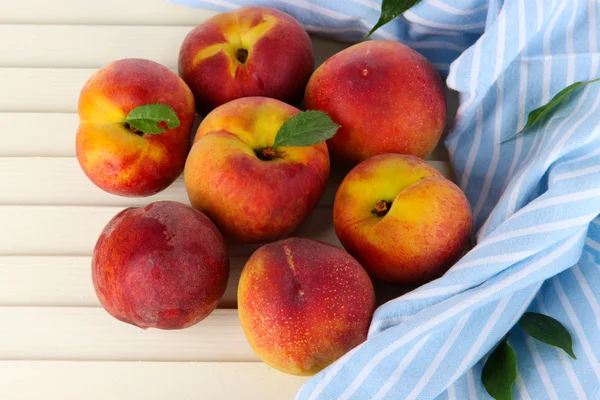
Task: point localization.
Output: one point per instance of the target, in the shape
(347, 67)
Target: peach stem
(266, 153)
(133, 130)
(381, 208)
(242, 55)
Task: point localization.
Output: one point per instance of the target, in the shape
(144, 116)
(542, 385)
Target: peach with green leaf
(253, 51)
(258, 167)
(136, 118)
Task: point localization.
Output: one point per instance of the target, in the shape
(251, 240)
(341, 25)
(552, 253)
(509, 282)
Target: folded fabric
(535, 200)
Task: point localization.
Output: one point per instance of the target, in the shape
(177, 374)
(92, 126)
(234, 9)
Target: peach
(303, 304)
(401, 219)
(254, 193)
(387, 98)
(161, 266)
(122, 160)
(253, 51)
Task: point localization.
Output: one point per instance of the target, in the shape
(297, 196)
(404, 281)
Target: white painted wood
(41, 89)
(65, 281)
(60, 181)
(157, 43)
(91, 334)
(38, 134)
(104, 12)
(46, 281)
(35, 380)
(41, 230)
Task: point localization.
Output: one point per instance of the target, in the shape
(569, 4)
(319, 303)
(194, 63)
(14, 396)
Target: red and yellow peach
(254, 193)
(122, 160)
(253, 51)
(303, 304)
(161, 266)
(386, 97)
(401, 219)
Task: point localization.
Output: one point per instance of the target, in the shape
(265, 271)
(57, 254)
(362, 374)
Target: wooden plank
(38, 134)
(67, 46)
(52, 281)
(73, 230)
(61, 281)
(60, 181)
(41, 89)
(105, 12)
(34, 380)
(91, 334)
(49, 230)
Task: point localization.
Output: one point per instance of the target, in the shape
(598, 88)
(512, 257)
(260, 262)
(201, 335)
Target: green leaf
(548, 330)
(147, 117)
(390, 9)
(305, 129)
(542, 113)
(500, 371)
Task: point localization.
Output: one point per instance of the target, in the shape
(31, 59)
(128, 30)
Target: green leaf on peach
(145, 119)
(305, 129)
(390, 9)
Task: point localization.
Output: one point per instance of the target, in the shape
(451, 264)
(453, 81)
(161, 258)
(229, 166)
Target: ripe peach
(125, 161)
(402, 220)
(387, 98)
(253, 51)
(161, 266)
(253, 192)
(303, 304)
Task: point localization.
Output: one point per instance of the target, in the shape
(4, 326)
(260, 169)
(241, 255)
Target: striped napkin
(535, 200)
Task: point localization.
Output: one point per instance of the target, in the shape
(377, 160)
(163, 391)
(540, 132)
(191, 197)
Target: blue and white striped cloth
(535, 200)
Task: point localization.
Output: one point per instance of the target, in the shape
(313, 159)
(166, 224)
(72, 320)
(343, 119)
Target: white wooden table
(56, 342)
